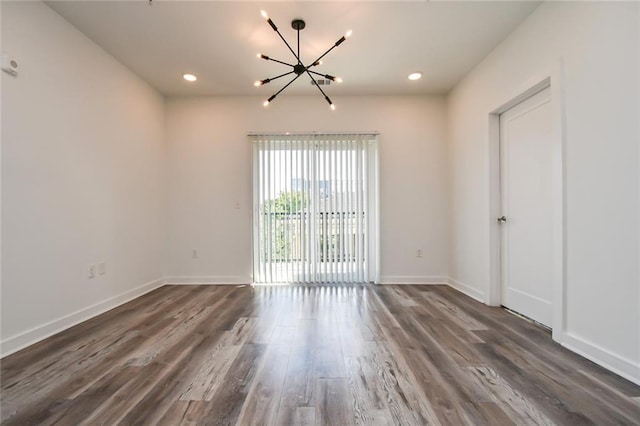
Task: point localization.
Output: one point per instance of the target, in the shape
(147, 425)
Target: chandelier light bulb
(265, 104)
(333, 107)
(259, 55)
(348, 34)
(264, 14)
(338, 80)
(257, 83)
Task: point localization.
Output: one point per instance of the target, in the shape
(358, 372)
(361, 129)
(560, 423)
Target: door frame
(551, 78)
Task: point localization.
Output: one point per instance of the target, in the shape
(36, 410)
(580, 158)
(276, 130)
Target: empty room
(320, 212)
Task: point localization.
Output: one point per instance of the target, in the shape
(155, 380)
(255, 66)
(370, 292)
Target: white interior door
(526, 197)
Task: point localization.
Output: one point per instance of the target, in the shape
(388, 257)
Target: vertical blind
(315, 204)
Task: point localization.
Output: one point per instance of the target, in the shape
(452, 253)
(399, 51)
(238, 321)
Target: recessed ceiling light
(189, 77)
(415, 76)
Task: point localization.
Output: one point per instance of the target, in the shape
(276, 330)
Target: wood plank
(263, 399)
(299, 387)
(594, 393)
(336, 354)
(516, 406)
(81, 354)
(400, 386)
(333, 406)
(486, 413)
(456, 313)
(305, 416)
(528, 385)
(214, 366)
(369, 405)
(98, 394)
(184, 413)
(329, 362)
(226, 404)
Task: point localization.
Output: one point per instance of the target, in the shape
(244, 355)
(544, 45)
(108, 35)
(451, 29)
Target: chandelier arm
(285, 42)
(316, 84)
(326, 98)
(281, 75)
(286, 85)
(324, 54)
(330, 77)
(269, 80)
(269, 58)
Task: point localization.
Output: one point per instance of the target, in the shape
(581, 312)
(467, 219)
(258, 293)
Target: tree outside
(287, 202)
(280, 212)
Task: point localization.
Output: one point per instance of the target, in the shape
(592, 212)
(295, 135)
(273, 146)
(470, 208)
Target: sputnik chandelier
(299, 68)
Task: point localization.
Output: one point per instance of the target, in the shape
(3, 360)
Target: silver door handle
(502, 219)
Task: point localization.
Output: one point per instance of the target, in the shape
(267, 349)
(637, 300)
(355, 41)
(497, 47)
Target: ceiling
(218, 42)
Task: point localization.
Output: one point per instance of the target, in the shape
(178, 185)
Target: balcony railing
(290, 240)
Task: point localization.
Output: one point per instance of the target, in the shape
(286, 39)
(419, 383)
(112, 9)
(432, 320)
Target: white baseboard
(466, 289)
(621, 366)
(404, 279)
(624, 367)
(27, 338)
(230, 280)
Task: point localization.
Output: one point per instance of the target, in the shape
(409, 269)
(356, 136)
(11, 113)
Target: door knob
(502, 219)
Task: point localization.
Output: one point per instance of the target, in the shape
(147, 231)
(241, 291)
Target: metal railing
(285, 236)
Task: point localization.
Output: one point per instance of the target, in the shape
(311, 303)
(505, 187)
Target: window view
(315, 199)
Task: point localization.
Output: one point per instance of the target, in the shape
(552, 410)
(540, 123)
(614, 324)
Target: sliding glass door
(315, 208)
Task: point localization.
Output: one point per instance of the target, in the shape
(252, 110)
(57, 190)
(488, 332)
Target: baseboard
(623, 367)
(466, 289)
(27, 338)
(230, 280)
(404, 279)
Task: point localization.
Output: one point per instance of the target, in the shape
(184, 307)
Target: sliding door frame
(371, 188)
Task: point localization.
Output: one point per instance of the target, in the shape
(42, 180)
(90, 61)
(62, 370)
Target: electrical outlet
(91, 271)
(194, 253)
(102, 268)
(419, 253)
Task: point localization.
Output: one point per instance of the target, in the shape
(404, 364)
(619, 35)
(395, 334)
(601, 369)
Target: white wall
(638, 122)
(1, 79)
(82, 178)
(598, 45)
(209, 169)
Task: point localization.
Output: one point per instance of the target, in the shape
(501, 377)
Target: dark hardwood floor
(294, 355)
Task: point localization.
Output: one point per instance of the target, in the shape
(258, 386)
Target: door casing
(552, 78)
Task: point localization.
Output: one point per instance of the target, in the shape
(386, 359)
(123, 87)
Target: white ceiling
(218, 41)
